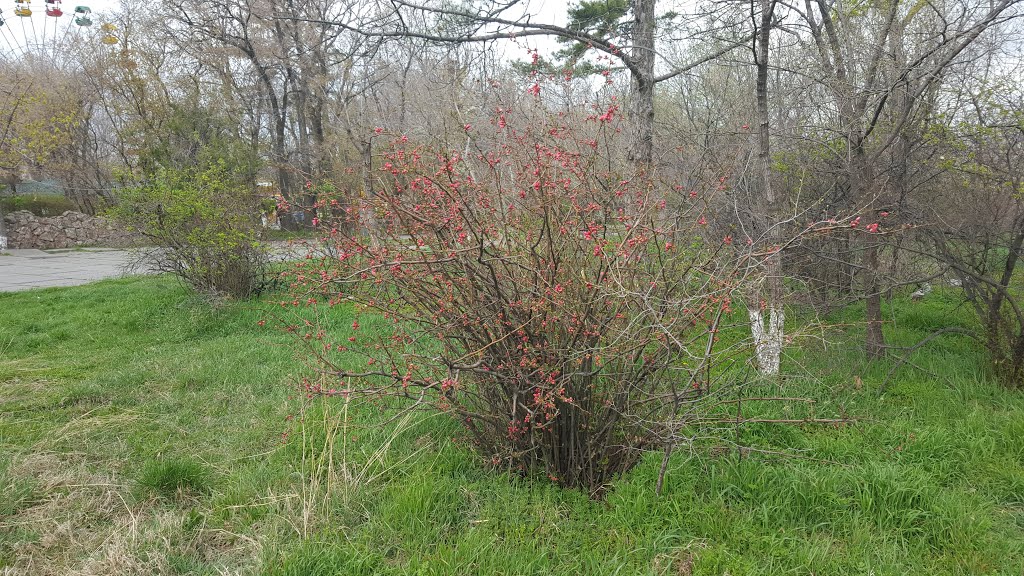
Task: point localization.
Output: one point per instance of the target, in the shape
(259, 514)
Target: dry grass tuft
(83, 523)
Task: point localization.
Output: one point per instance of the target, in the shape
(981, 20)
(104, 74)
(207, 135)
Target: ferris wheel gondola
(56, 30)
(108, 37)
(82, 16)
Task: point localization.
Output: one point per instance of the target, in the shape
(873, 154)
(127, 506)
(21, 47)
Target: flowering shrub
(563, 313)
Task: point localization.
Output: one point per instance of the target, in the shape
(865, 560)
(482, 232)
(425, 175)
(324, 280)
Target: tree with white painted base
(764, 304)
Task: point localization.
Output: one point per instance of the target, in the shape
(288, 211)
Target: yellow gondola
(108, 38)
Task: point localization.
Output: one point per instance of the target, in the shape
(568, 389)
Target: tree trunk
(874, 342)
(767, 332)
(861, 179)
(1013, 359)
(3, 231)
(641, 101)
(367, 214)
(768, 336)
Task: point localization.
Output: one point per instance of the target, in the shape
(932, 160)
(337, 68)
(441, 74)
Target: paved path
(24, 269)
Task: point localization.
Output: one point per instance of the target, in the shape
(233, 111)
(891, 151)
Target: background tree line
(897, 123)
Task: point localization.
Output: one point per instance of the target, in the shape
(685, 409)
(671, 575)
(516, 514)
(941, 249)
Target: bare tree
(978, 229)
(877, 64)
(492, 21)
(295, 62)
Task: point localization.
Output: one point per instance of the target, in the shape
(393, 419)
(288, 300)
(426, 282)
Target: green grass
(143, 432)
(272, 235)
(174, 478)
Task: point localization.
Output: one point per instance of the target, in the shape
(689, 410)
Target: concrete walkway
(22, 269)
(25, 269)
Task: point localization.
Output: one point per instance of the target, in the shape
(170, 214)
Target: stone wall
(26, 230)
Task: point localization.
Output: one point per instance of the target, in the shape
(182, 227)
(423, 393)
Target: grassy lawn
(142, 432)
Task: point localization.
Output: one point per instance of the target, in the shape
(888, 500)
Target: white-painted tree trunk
(768, 337)
(768, 210)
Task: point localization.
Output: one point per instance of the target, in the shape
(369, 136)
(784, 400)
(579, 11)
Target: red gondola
(53, 8)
